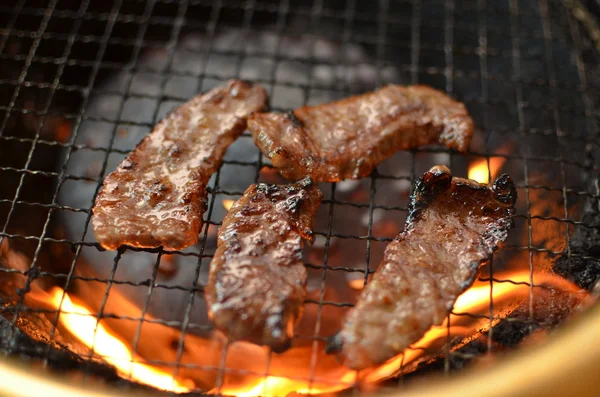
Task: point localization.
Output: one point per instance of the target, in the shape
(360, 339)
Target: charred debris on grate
(581, 264)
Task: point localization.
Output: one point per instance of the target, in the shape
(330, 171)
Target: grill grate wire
(445, 74)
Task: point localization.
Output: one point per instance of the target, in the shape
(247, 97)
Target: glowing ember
(63, 131)
(228, 203)
(278, 386)
(275, 386)
(80, 322)
(480, 171)
(357, 283)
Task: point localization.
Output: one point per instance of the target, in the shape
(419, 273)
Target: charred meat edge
(348, 138)
(157, 195)
(359, 353)
(257, 278)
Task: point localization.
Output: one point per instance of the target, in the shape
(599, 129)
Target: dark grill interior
(82, 83)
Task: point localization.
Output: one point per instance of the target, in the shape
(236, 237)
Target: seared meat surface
(453, 226)
(157, 195)
(257, 278)
(349, 138)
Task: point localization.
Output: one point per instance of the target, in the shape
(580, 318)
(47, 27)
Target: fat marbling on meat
(349, 138)
(157, 195)
(453, 226)
(257, 278)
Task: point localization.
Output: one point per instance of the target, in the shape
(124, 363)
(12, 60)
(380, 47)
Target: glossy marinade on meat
(453, 226)
(347, 139)
(157, 195)
(257, 278)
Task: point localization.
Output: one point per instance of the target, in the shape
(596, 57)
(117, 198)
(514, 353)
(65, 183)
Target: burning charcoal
(582, 264)
(168, 266)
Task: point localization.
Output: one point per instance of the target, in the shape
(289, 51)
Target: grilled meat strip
(257, 279)
(350, 137)
(157, 195)
(453, 226)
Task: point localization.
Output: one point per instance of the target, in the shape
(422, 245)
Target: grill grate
(526, 71)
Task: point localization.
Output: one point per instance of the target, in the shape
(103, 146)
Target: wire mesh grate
(105, 73)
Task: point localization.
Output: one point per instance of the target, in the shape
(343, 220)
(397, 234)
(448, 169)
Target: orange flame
(278, 386)
(480, 171)
(356, 283)
(81, 323)
(475, 301)
(227, 204)
(329, 376)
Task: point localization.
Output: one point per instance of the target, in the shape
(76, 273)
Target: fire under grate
(82, 82)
